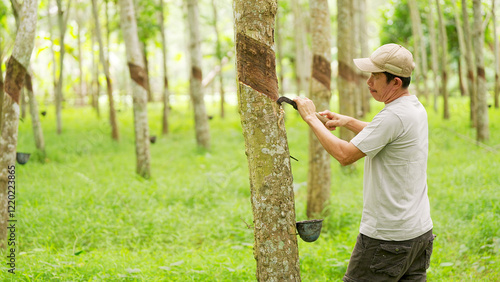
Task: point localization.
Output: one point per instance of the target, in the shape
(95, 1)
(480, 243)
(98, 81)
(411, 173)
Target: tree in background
(195, 87)
(115, 134)
(165, 92)
(443, 38)
(271, 183)
(434, 53)
(496, 51)
(220, 57)
(347, 73)
(469, 57)
(14, 80)
(62, 20)
(319, 178)
(483, 132)
(139, 92)
(302, 52)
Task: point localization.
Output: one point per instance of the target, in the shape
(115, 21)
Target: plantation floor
(82, 213)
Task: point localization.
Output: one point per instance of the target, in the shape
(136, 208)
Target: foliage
(84, 215)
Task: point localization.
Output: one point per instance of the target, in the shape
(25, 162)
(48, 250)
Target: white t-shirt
(395, 201)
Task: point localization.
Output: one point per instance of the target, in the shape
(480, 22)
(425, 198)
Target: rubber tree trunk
(166, 92)
(347, 73)
(35, 118)
(195, 86)
(14, 80)
(62, 22)
(302, 59)
(140, 96)
(95, 77)
(220, 56)
(471, 72)
(434, 53)
(461, 60)
(115, 133)
(443, 38)
(483, 132)
(262, 120)
(279, 48)
(365, 52)
(319, 180)
(419, 49)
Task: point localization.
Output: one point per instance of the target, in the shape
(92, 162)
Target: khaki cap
(391, 58)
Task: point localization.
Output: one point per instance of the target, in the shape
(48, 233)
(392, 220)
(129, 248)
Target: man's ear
(398, 82)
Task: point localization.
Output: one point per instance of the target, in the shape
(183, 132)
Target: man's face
(379, 88)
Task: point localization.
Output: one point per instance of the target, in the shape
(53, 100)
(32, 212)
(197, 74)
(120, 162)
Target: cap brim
(365, 64)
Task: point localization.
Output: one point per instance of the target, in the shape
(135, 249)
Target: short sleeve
(382, 130)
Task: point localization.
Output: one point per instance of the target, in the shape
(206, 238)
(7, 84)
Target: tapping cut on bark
(196, 71)
(256, 63)
(138, 74)
(322, 70)
(14, 78)
(346, 72)
(28, 83)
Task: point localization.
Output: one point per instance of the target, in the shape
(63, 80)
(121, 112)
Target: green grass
(84, 215)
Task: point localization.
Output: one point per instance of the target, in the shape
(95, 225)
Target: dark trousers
(378, 260)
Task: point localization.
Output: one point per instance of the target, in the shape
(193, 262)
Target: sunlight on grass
(85, 215)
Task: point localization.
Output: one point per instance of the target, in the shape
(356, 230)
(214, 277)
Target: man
(395, 240)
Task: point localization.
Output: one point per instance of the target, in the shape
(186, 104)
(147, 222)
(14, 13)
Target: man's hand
(306, 108)
(336, 120)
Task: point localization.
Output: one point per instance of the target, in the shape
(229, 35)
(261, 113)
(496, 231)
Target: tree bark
(347, 73)
(302, 60)
(35, 118)
(115, 134)
(461, 60)
(195, 87)
(262, 120)
(434, 54)
(166, 92)
(62, 21)
(220, 56)
(14, 80)
(138, 75)
(319, 180)
(443, 38)
(483, 132)
(365, 52)
(420, 52)
(471, 72)
(95, 77)
(279, 48)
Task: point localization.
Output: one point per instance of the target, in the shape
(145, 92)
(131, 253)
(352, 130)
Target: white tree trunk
(483, 132)
(166, 93)
(319, 180)
(14, 79)
(195, 86)
(471, 71)
(140, 96)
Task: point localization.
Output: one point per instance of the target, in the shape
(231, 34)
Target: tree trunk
(420, 51)
(434, 54)
(115, 133)
(220, 56)
(365, 52)
(347, 73)
(14, 80)
(138, 75)
(166, 93)
(81, 97)
(319, 180)
(496, 50)
(483, 132)
(279, 48)
(35, 118)
(271, 183)
(461, 60)
(471, 74)
(95, 77)
(62, 51)
(443, 38)
(195, 87)
(302, 60)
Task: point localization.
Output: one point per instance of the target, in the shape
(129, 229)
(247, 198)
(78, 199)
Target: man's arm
(344, 152)
(338, 120)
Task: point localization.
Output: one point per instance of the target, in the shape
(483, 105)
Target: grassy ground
(84, 215)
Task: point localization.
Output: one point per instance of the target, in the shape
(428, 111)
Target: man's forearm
(355, 125)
